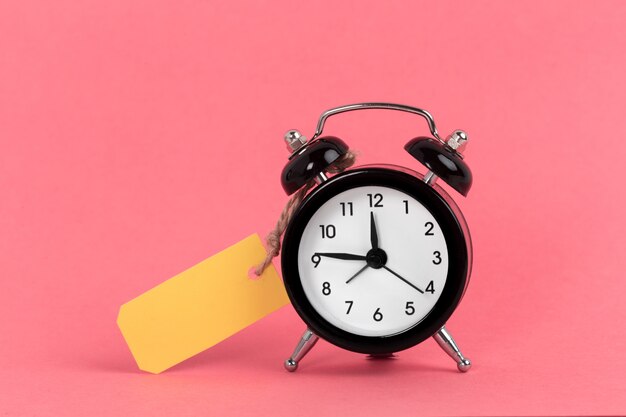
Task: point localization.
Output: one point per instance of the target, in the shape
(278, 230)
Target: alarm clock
(376, 259)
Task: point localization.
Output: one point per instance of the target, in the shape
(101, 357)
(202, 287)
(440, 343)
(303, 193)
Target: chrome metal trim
(321, 177)
(380, 106)
(306, 343)
(430, 178)
(447, 343)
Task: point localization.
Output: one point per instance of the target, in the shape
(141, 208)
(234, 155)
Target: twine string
(273, 239)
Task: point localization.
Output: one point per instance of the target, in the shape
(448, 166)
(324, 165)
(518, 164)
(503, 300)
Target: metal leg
(445, 340)
(308, 340)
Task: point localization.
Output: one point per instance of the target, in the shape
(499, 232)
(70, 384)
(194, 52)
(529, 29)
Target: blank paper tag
(200, 307)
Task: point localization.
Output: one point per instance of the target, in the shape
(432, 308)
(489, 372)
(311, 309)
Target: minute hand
(344, 256)
(373, 232)
(403, 279)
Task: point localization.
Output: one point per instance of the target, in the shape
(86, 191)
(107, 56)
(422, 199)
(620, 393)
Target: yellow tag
(200, 307)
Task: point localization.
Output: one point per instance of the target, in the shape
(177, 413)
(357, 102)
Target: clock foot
(447, 343)
(308, 340)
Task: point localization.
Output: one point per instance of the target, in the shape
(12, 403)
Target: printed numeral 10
(328, 231)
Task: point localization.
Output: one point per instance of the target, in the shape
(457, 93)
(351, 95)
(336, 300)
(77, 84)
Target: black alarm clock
(377, 258)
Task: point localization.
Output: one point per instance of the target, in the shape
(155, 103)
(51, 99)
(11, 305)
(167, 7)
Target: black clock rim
(457, 269)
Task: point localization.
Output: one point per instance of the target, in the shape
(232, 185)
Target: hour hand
(344, 256)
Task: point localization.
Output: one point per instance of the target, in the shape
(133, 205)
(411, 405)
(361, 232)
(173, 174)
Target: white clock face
(342, 265)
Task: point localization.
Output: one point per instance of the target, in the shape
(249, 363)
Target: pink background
(138, 138)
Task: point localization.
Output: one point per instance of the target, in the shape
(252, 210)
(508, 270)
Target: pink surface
(138, 138)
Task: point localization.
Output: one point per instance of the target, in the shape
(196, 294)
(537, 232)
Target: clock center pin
(376, 258)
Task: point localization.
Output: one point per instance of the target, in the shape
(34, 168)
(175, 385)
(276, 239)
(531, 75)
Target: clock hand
(355, 275)
(387, 268)
(344, 256)
(373, 232)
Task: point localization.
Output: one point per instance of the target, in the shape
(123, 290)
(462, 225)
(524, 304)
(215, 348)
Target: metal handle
(381, 106)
